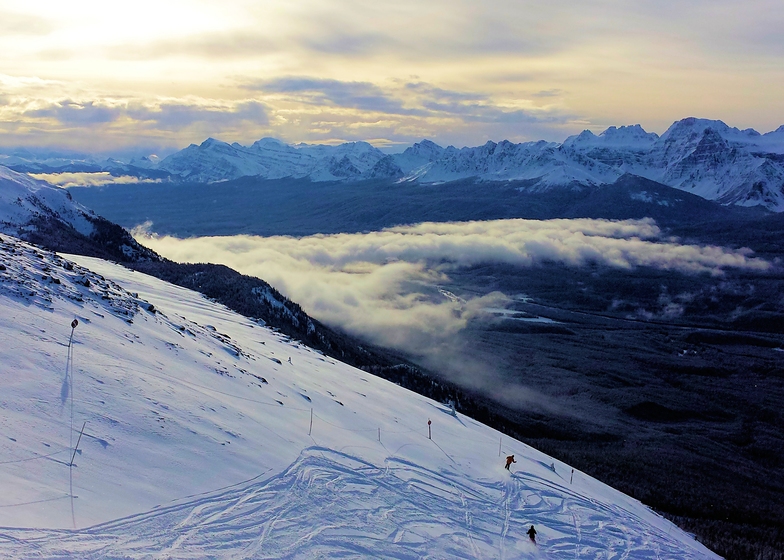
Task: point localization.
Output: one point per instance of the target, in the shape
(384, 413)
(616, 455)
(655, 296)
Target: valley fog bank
(391, 287)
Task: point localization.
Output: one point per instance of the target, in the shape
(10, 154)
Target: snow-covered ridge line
(24, 199)
(704, 157)
(209, 436)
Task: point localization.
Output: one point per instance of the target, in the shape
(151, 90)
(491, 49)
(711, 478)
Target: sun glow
(456, 72)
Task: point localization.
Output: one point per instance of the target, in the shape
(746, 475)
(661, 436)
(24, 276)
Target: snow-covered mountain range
(704, 157)
(700, 156)
(166, 425)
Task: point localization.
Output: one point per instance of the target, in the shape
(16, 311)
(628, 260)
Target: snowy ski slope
(210, 436)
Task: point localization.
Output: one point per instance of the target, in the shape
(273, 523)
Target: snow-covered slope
(208, 435)
(24, 199)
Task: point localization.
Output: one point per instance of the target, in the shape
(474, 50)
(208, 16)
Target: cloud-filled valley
(382, 285)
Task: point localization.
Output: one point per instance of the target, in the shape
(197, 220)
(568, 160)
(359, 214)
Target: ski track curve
(331, 504)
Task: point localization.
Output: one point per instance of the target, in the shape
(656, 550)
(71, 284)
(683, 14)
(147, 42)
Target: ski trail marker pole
(77, 444)
(69, 376)
(74, 324)
(70, 477)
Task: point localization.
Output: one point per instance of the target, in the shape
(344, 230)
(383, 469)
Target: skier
(532, 534)
(509, 461)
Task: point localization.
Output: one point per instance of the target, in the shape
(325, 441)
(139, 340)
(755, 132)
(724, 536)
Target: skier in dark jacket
(532, 534)
(509, 461)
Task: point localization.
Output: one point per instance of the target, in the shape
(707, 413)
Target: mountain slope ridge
(196, 398)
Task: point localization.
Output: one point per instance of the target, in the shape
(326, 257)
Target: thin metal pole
(77, 443)
(499, 445)
(311, 422)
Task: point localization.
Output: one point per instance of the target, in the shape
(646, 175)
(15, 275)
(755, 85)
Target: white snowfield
(207, 435)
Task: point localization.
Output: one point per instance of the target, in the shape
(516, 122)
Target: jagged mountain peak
(269, 142)
(694, 125)
(209, 142)
(426, 148)
(585, 136)
(631, 136)
(428, 145)
(634, 132)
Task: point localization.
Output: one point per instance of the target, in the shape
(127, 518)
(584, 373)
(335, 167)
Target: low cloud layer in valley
(96, 179)
(382, 285)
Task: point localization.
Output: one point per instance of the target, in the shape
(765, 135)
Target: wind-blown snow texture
(197, 443)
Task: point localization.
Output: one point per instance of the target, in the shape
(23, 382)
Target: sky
(156, 76)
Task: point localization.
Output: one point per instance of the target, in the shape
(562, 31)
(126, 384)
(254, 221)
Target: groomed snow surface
(198, 443)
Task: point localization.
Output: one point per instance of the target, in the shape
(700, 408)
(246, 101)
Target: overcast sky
(98, 75)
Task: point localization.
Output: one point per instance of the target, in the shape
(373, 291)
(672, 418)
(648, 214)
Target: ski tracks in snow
(331, 504)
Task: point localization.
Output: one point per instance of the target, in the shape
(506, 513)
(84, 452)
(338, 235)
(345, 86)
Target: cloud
(350, 44)
(436, 93)
(237, 44)
(12, 23)
(547, 93)
(179, 115)
(410, 110)
(167, 115)
(383, 286)
(99, 179)
(356, 95)
(443, 30)
(75, 113)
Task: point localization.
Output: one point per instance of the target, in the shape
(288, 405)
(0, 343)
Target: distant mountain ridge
(704, 157)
